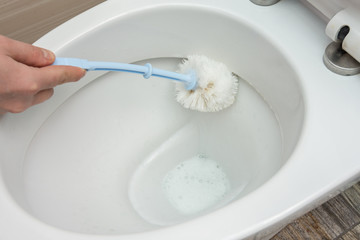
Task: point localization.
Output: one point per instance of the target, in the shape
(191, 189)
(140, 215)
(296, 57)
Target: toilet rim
(289, 171)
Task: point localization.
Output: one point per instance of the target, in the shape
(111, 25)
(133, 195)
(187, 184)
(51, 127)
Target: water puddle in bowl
(195, 184)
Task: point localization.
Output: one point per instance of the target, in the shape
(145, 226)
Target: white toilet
(115, 157)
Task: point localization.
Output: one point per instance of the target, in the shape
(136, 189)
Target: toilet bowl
(114, 156)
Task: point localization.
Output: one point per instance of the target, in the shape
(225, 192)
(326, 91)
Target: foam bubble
(195, 185)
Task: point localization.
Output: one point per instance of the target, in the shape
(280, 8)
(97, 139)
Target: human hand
(27, 77)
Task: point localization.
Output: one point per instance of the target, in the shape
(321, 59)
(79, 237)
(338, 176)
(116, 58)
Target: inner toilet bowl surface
(114, 156)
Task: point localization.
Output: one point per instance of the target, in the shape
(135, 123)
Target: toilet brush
(203, 84)
(216, 86)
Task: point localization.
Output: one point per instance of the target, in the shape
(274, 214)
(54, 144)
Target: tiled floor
(27, 20)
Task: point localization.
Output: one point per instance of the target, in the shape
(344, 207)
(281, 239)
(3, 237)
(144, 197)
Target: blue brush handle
(147, 70)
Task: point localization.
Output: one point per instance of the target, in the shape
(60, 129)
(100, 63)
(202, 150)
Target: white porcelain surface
(276, 49)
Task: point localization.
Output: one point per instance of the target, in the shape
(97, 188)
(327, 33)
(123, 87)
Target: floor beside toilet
(338, 218)
(28, 20)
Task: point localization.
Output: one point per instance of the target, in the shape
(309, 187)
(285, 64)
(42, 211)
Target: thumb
(26, 53)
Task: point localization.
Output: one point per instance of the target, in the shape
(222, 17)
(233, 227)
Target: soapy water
(195, 184)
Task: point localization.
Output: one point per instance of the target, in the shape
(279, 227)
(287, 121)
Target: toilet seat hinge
(343, 56)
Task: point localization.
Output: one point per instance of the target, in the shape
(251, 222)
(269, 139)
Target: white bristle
(216, 86)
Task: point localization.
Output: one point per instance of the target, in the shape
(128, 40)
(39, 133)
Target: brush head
(216, 85)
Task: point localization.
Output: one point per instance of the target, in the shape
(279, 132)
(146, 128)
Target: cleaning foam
(195, 184)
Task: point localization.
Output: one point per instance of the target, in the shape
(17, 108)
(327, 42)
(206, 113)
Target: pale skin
(27, 77)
